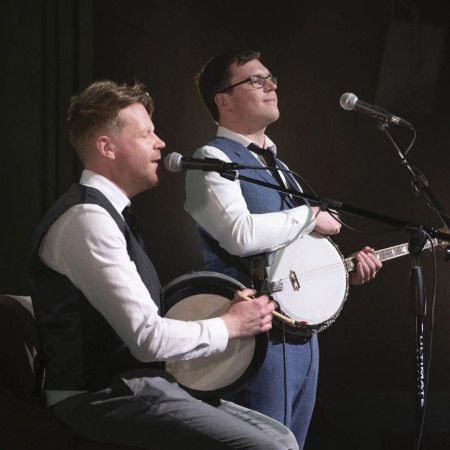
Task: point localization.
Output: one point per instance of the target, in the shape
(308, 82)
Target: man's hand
(325, 223)
(443, 244)
(367, 266)
(248, 317)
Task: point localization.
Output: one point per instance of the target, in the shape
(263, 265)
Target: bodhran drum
(204, 295)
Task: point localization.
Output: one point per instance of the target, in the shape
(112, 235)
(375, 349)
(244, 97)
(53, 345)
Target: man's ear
(222, 100)
(105, 146)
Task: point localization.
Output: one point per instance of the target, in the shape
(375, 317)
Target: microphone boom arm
(329, 203)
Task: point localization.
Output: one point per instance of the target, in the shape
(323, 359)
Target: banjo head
(204, 295)
(315, 282)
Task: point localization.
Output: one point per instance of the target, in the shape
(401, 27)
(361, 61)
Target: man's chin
(274, 116)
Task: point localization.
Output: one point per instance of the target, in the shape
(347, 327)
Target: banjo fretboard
(385, 254)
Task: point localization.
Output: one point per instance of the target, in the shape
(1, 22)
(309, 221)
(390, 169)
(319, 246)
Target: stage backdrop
(392, 53)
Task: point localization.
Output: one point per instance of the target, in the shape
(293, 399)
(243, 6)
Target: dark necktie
(130, 219)
(270, 161)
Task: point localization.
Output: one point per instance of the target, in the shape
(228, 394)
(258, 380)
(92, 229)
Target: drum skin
(203, 295)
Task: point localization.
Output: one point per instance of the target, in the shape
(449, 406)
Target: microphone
(175, 162)
(350, 101)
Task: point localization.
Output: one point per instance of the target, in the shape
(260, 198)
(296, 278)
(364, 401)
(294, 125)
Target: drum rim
(261, 340)
(199, 274)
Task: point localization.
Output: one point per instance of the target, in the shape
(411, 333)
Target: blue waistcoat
(260, 200)
(80, 350)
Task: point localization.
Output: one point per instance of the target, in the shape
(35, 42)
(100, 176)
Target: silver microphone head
(348, 101)
(172, 162)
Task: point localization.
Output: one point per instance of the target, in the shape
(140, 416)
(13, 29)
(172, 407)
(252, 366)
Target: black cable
(283, 333)
(412, 142)
(336, 217)
(402, 154)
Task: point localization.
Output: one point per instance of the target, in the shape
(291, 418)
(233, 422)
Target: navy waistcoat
(81, 351)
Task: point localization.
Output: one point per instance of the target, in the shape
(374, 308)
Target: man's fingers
(244, 294)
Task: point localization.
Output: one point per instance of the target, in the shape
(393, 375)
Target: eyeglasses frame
(250, 79)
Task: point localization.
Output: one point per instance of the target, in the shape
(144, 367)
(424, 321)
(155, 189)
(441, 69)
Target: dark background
(392, 53)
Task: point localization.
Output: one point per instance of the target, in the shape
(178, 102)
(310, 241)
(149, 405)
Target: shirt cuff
(304, 216)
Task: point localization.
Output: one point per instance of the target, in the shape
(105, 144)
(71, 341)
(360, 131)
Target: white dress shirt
(86, 245)
(218, 206)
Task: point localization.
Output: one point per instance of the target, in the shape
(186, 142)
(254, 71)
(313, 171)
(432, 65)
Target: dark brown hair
(215, 75)
(98, 106)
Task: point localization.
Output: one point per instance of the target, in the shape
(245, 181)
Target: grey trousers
(149, 410)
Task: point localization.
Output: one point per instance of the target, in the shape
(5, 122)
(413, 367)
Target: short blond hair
(98, 106)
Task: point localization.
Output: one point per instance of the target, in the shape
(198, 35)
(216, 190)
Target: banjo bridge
(294, 280)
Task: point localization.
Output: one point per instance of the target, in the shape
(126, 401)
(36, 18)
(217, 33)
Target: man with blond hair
(96, 296)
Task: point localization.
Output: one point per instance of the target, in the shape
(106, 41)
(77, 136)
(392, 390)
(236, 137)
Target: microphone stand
(418, 301)
(417, 294)
(418, 235)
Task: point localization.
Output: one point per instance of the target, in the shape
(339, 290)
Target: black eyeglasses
(257, 82)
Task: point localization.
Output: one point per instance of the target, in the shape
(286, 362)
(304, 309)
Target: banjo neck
(385, 254)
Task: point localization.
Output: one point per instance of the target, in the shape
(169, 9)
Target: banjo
(312, 290)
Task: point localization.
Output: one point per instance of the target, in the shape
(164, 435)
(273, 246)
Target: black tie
(130, 219)
(270, 161)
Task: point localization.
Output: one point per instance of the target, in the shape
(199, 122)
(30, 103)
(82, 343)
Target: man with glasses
(239, 220)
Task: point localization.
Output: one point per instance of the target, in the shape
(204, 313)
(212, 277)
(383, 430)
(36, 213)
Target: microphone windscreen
(172, 162)
(348, 100)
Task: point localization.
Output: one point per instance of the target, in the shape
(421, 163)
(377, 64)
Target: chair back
(19, 349)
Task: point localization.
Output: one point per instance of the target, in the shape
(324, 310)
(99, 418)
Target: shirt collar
(227, 133)
(117, 198)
